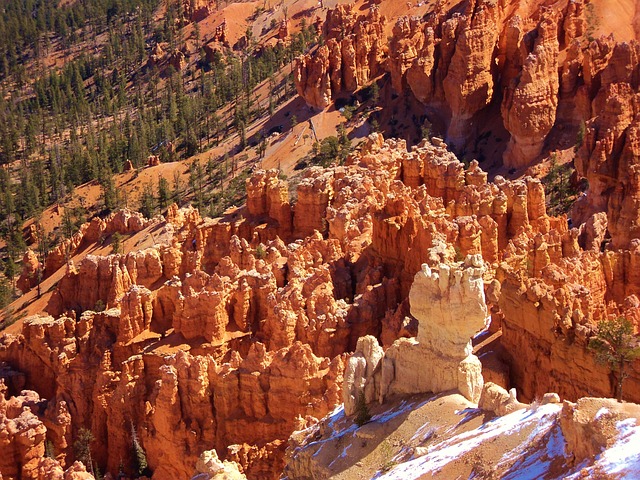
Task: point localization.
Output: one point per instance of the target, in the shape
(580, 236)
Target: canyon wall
(531, 65)
(231, 333)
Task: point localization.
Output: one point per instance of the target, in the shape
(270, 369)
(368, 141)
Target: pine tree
(362, 410)
(116, 243)
(82, 447)
(164, 194)
(140, 465)
(616, 345)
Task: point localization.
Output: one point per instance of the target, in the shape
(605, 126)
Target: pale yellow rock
(496, 399)
(359, 373)
(450, 307)
(210, 467)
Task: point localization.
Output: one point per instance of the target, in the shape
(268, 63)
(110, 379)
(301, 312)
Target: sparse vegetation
(10, 317)
(82, 447)
(116, 243)
(140, 465)
(582, 130)
(332, 149)
(616, 346)
(348, 112)
(387, 466)
(559, 191)
(362, 410)
(99, 306)
(49, 450)
(107, 106)
(261, 253)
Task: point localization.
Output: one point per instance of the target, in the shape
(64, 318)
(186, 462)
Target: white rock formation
(450, 307)
(496, 399)
(359, 373)
(210, 467)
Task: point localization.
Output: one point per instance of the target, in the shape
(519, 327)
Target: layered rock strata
(24, 427)
(222, 336)
(352, 55)
(534, 61)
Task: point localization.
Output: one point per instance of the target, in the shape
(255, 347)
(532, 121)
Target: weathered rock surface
(210, 467)
(352, 56)
(222, 336)
(533, 60)
(496, 399)
(29, 275)
(591, 425)
(25, 426)
(530, 103)
(450, 308)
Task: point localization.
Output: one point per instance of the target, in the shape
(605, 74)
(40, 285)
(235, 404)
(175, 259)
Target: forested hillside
(92, 88)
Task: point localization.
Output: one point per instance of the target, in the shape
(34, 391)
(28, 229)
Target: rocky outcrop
(197, 10)
(533, 60)
(177, 60)
(25, 427)
(352, 56)
(209, 467)
(607, 158)
(529, 104)
(497, 400)
(207, 336)
(468, 86)
(29, 275)
(268, 196)
(592, 425)
(439, 300)
(450, 308)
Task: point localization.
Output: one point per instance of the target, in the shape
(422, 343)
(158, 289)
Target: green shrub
(362, 410)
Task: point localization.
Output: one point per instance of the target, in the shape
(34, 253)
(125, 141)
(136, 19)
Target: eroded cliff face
(26, 423)
(530, 64)
(231, 333)
(353, 54)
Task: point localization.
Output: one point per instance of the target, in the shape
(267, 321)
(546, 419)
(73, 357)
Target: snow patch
(448, 451)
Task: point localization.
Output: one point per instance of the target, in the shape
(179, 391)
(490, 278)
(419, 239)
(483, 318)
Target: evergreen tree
(164, 194)
(616, 345)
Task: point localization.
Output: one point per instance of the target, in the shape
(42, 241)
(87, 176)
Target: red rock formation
(23, 435)
(462, 64)
(156, 56)
(283, 30)
(177, 60)
(197, 10)
(529, 105)
(589, 426)
(352, 56)
(468, 86)
(128, 166)
(607, 158)
(209, 334)
(268, 196)
(29, 275)
(212, 52)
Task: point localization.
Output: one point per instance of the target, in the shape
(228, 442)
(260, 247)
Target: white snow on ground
(404, 407)
(535, 461)
(342, 455)
(441, 454)
(622, 460)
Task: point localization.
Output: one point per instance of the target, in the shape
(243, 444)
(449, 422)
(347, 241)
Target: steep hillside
(292, 253)
(447, 437)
